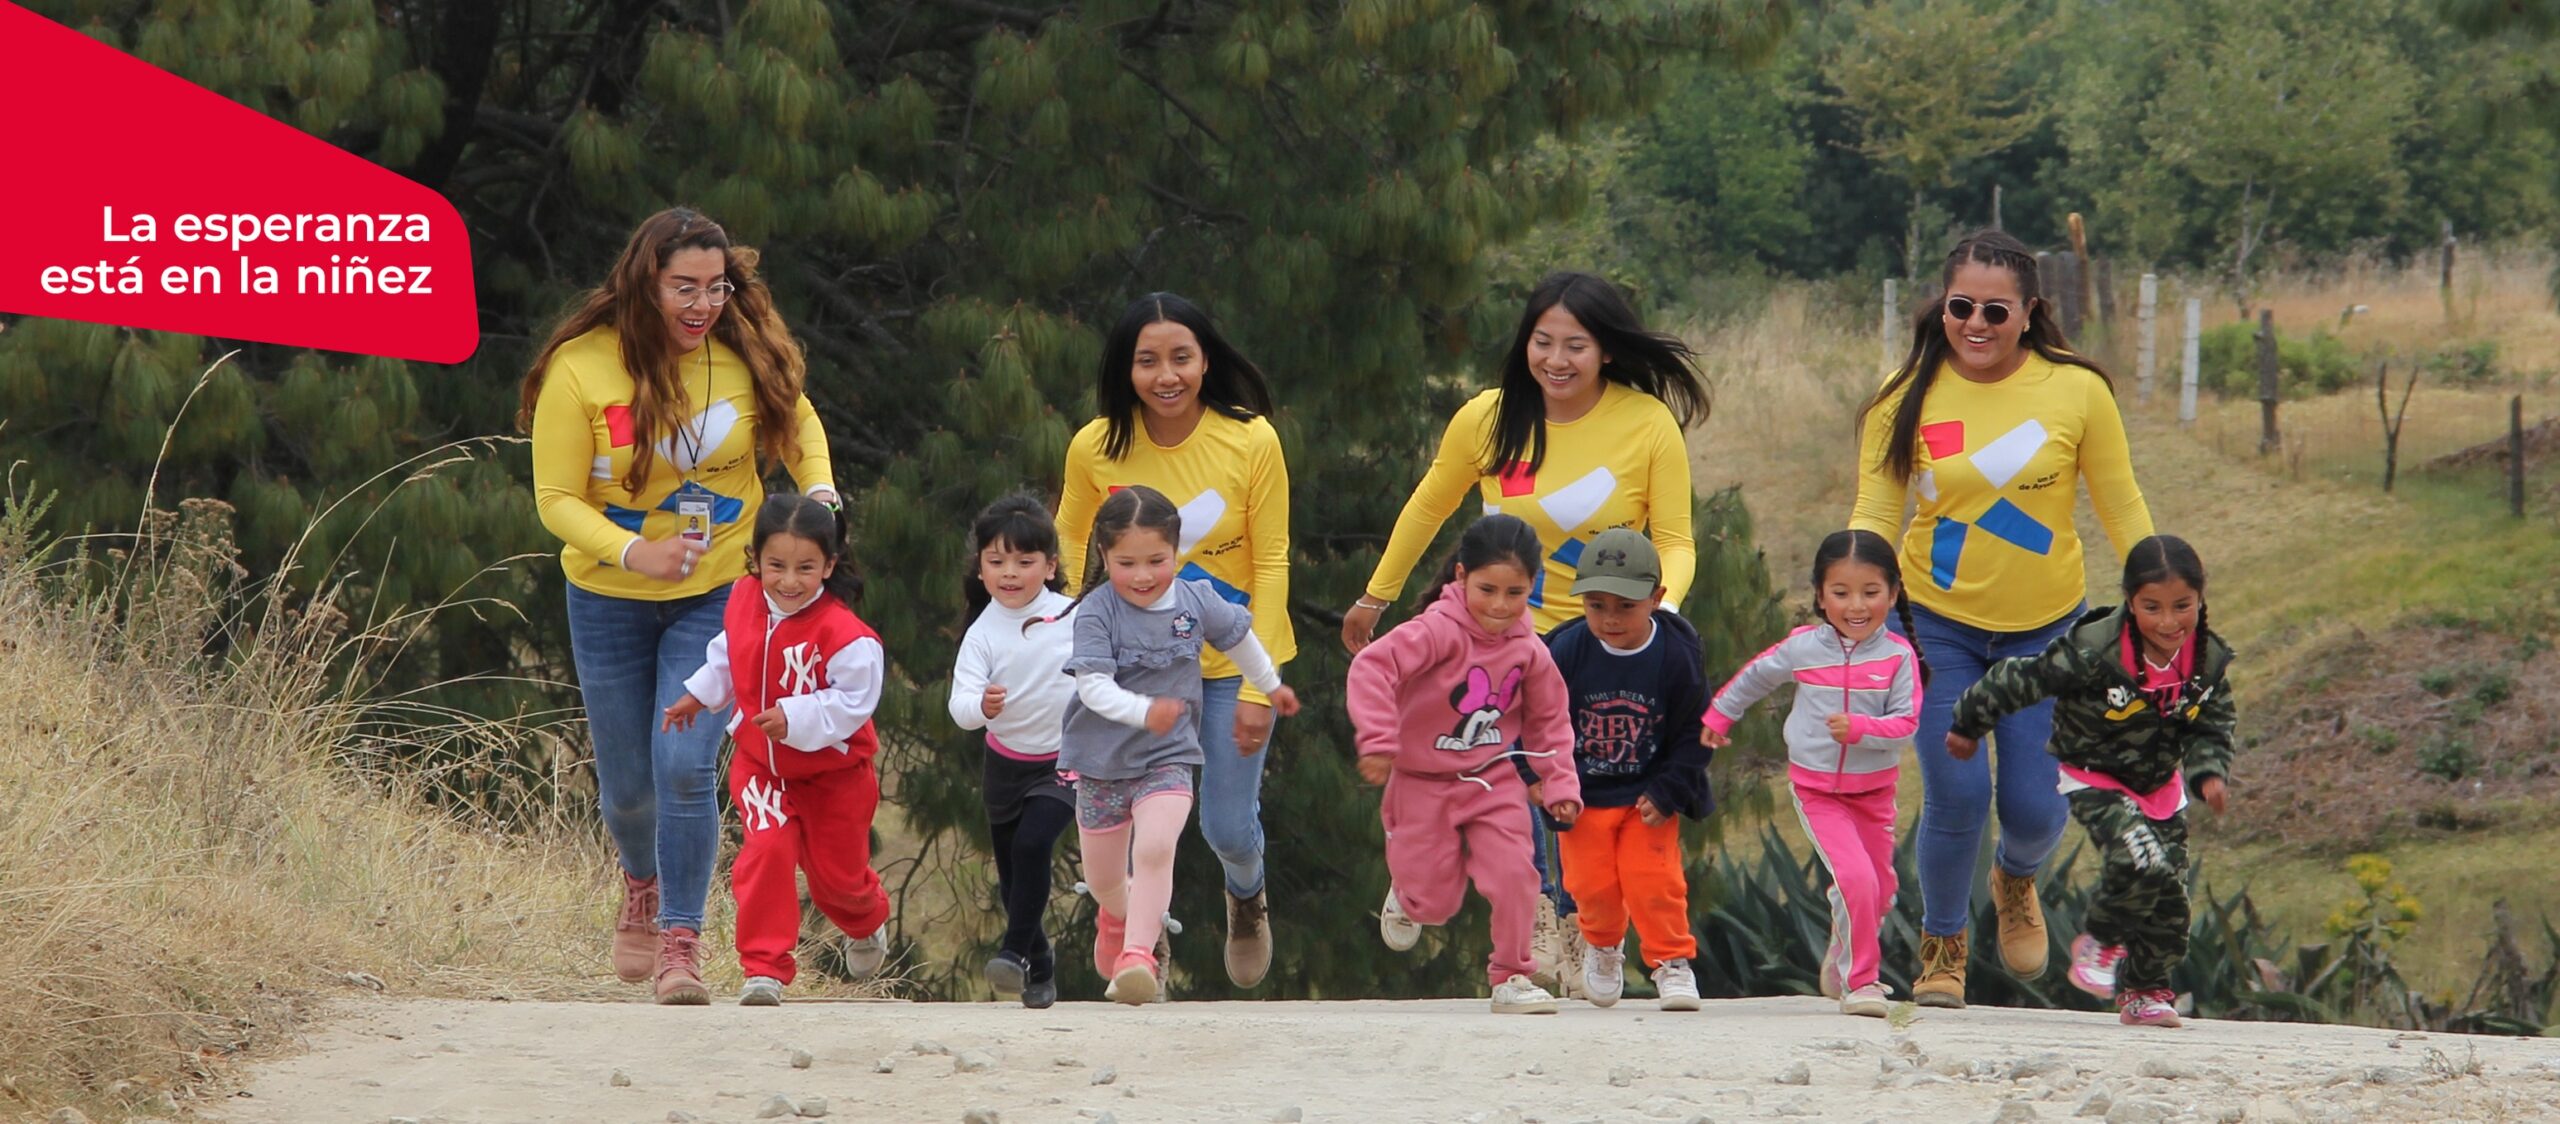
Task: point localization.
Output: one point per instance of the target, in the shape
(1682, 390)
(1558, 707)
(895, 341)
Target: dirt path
(457, 1061)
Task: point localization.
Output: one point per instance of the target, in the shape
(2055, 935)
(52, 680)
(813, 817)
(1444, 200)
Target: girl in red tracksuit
(805, 673)
(1442, 706)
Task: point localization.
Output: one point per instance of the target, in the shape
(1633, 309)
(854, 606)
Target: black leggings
(1024, 848)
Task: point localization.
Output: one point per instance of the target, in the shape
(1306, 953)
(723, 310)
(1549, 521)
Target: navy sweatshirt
(1636, 717)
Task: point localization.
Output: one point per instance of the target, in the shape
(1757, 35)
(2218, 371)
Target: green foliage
(2449, 758)
(2227, 362)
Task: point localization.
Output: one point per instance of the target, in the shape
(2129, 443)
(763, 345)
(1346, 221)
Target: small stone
(619, 1080)
(2391, 1075)
(2098, 1103)
(2015, 1112)
(59, 1119)
(924, 1046)
(448, 1048)
(1797, 1074)
(1701, 1118)
(1067, 1062)
(1622, 1076)
(982, 1115)
(1796, 1107)
(885, 1065)
(1955, 1067)
(1105, 1118)
(680, 1116)
(2169, 1069)
(1286, 1114)
(2140, 1110)
(2271, 1109)
(775, 1106)
(972, 1061)
(2037, 1065)
(2230, 1114)
(1537, 1069)
(1105, 1076)
(811, 1107)
(1892, 1064)
(1129, 1091)
(802, 1059)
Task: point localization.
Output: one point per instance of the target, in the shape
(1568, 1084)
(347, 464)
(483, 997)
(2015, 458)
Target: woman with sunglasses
(654, 408)
(1987, 425)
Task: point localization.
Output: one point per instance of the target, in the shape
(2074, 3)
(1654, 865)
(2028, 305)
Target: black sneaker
(1007, 972)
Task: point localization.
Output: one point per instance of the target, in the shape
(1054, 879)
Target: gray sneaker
(761, 991)
(864, 955)
(1399, 931)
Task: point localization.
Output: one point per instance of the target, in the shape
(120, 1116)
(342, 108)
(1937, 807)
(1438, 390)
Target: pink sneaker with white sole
(2093, 965)
(2148, 1007)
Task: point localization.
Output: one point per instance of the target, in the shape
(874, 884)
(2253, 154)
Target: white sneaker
(1872, 1001)
(864, 955)
(1517, 996)
(1399, 931)
(761, 991)
(1677, 985)
(1604, 975)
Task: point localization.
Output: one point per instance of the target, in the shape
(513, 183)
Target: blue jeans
(658, 788)
(1956, 796)
(1230, 789)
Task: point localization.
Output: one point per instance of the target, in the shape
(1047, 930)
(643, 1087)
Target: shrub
(2305, 365)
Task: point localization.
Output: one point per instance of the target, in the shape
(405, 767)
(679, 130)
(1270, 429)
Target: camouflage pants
(2141, 901)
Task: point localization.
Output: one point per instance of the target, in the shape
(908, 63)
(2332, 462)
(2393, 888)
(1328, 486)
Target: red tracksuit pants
(1444, 832)
(819, 825)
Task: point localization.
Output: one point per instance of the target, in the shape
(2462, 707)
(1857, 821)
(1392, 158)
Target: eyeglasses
(1994, 313)
(718, 294)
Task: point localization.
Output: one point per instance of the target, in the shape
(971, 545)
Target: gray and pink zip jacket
(1876, 683)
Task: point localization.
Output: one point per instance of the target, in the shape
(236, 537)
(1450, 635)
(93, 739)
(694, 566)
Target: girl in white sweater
(1010, 682)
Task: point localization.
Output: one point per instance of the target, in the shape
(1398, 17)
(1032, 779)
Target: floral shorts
(1105, 805)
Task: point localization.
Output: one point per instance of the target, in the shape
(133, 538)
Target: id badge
(693, 520)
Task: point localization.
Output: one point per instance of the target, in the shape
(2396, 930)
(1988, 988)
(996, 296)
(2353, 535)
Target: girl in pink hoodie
(1443, 705)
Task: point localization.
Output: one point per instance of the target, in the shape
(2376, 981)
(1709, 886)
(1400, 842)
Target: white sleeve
(969, 682)
(820, 719)
(1255, 662)
(1105, 696)
(710, 686)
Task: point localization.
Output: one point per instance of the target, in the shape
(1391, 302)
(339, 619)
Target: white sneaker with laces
(761, 991)
(1517, 996)
(1604, 975)
(1871, 1001)
(1399, 931)
(864, 955)
(1677, 985)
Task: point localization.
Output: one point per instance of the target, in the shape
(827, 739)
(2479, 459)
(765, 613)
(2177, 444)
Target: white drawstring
(1470, 775)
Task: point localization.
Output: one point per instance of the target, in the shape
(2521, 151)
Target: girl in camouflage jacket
(2142, 717)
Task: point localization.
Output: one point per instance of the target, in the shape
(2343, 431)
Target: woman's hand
(1359, 626)
(1961, 747)
(991, 703)
(668, 560)
(1253, 726)
(680, 716)
(1162, 714)
(1374, 767)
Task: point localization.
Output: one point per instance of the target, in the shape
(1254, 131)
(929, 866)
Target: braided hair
(790, 513)
(2163, 558)
(1870, 548)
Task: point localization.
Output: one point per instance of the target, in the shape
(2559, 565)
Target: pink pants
(1443, 832)
(1853, 832)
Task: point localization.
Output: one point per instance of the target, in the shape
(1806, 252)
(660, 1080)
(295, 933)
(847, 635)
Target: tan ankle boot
(2023, 944)
(680, 969)
(635, 934)
(1942, 963)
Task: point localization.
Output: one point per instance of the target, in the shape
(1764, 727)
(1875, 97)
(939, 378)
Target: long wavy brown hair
(628, 301)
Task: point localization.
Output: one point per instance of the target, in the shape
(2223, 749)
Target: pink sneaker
(1109, 934)
(2149, 1007)
(2093, 966)
(1134, 981)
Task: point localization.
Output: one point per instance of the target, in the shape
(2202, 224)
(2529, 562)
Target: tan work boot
(680, 969)
(635, 933)
(1248, 939)
(1942, 962)
(2023, 944)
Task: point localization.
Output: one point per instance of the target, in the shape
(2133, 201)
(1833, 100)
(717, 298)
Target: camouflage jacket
(2102, 721)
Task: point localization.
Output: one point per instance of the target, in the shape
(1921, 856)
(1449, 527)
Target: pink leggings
(1853, 832)
(1129, 868)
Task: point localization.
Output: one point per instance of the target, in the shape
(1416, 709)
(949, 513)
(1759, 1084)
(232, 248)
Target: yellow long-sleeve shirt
(1991, 542)
(1624, 464)
(1232, 486)
(582, 444)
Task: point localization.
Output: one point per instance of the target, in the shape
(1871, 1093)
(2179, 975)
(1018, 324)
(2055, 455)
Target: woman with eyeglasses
(1988, 426)
(655, 407)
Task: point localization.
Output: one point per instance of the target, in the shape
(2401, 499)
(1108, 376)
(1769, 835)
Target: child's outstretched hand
(1162, 714)
(1374, 767)
(991, 703)
(680, 716)
(2214, 795)
(1839, 724)
(1961, 747)
(1713, 738)
(1285, 700)
(1651, 813)
(1565, 811)
(774, 723)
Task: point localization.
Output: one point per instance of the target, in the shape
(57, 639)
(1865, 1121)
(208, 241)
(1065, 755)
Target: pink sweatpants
(1853, 832)
(1443, 832)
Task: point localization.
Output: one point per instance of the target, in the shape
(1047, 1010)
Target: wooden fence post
(2190, 361)
(1892, 306)
(2515, 456)
(2269, 385)
(2390, 424)
(2444, 284)
(2144, 345)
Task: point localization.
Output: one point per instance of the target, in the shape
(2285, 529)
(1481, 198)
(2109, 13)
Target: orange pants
(1615, 866)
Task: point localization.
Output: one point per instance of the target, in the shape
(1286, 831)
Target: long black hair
(1489, 541)
(1018, 522)
(1134, 507)
(1870, 548)
(2160, 558)
(2042, 335)
(1657, 363)
(1230, 384)
(790, 513)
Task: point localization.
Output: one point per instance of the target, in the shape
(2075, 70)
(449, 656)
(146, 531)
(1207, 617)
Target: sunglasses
(1994, 313)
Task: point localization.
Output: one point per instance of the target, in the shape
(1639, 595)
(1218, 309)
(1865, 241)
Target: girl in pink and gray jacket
(1443, 705)
(1857, 703)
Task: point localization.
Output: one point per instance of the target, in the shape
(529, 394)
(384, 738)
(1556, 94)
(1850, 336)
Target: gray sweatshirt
(1877, 684)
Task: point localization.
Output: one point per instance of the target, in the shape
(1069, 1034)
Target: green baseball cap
(1619, 561)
